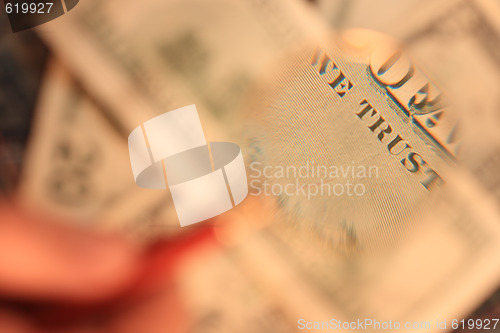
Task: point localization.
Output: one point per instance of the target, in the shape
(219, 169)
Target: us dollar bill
(175, 53)
(70, 141)
(470, 71)
(76, 165)
(469, 30)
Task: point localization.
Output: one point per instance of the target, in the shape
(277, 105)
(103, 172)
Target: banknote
(470, 31)
(175, 53)
(69, 141)
(77, 164)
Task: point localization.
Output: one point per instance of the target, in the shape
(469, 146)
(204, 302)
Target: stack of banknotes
(297, 85)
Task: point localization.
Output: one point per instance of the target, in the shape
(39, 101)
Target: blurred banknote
(77, 164)
(175, 53)
(469, 68)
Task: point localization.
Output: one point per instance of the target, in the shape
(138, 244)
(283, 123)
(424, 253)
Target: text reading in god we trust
(419, 100)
